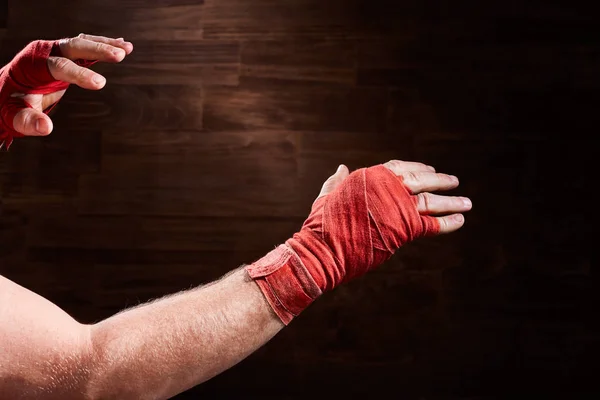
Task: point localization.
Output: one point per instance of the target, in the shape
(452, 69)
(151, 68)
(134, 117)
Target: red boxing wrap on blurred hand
(349, 232)
(27, 73)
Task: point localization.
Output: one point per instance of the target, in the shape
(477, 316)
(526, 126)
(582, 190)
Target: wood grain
(296, 108)
(304, 60)
(126, 107)
(211, 140)
(268, 19)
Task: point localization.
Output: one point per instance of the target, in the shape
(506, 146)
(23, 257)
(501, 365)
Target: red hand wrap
(349, 232)
(27, 73)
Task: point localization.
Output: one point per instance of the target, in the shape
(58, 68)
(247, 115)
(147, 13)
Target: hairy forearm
(165, 347)
(149, 352)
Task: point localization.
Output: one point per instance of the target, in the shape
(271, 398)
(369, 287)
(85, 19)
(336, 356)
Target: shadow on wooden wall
(212, 139)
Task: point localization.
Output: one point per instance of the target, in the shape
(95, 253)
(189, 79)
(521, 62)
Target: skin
(165, 347)
(32, 121)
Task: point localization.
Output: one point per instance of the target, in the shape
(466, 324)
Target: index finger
(399, 166)
(83, 49)
(120, 42)
(63, 69)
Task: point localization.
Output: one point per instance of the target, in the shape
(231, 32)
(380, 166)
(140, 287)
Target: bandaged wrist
(350, 231)
(286, 283)
(27, 73)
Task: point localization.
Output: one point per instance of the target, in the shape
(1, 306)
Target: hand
(357, 222)
(38, 77)
(421, 180)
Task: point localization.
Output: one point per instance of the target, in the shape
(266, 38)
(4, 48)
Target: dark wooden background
(211, 140)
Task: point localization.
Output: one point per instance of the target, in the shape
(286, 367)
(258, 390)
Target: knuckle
(59, 63)
(101, 48)
(411, 176)
(74, 42)
(426, 199)
(82, 36)
(82, 74)
(444, 224)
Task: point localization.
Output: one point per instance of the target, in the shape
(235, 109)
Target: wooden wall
(211, 140)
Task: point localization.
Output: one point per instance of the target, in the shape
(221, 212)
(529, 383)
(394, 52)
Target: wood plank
(259, 167)
(169, 62)
(268, 19)
(320, 153)
(51, 165)
(132, 107)
(3, 15)
(180, 21)
(171, 74)
(305, 60)
(240, 144)
(77, 16)
(315, 155)
(295, 107)
(410, 115)
(156, 19)
(64, 228)
(13, 225)
(187, 52)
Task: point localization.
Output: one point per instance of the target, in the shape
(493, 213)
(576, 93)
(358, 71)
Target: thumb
(30, 122)
(334, 180)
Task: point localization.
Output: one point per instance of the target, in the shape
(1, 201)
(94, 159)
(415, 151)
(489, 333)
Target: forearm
(150, 352)
(168, 346)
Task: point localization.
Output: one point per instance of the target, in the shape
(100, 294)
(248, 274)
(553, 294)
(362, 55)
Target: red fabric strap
(349, 232)
(285, 282)
(27, 73)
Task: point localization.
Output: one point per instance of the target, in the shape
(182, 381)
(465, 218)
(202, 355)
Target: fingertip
(450, 223)
(342, 172)
(99, 81)
(468, 204)
(43, 126)
(119, 54)
(127, 46)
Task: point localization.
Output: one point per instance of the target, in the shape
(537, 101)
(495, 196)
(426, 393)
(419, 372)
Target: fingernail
(454, 178)
(459, 218)
(466, 202)
(121, 39)
(340, 167)
(98, 79)
(42, 126)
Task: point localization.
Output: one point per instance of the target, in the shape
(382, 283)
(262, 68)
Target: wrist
(285, 281)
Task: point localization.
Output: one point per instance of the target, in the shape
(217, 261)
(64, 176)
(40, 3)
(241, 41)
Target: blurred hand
(32, 121)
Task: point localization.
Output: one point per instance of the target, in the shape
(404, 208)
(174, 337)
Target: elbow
(103, 376)
(61, 368)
